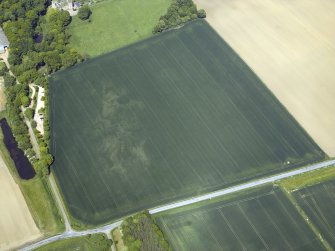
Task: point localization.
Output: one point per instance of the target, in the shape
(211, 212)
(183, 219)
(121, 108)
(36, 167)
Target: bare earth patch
(117, 238)
(290, 45)
(38, 117)
(16, 223)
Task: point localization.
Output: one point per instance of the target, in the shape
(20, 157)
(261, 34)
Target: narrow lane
(60, 204)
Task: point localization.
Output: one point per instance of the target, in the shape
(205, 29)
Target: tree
(25, 100)
(160, 26)
(84, 12)
(179, 12)
(201, 13)
(9, 79)
(3, 68)
(13, 59)
(29, 113)
(33, 124)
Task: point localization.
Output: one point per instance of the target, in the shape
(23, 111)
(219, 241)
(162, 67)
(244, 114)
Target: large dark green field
(174, 116)
(263, 219)
(318, 202)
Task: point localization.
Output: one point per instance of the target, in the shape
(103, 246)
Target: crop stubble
(16, 223)
(290, 45)
(176, 115)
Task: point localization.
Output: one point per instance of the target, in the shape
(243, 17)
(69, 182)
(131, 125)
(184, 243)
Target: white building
(4, 43)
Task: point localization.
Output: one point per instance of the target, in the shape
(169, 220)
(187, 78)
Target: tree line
(179, 12)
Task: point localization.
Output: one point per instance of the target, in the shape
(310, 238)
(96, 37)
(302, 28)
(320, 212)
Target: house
(4, 43)
(76, 5)
(67, 5)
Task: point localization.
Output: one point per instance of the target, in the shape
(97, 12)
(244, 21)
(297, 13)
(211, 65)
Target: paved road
(105, 229)
(71, 234)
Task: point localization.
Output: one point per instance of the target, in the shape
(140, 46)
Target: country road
(69, 233)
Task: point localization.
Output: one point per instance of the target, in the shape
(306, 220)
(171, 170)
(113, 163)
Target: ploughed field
(262, 219)
(174, 116)
(318, 202)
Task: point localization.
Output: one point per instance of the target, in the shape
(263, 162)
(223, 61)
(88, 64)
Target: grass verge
(114, 24)
(38, 197)
(96, 242)
(308, 179)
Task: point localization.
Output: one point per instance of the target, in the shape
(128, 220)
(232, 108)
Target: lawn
(114, 24)
(261, 219)
(318, 202)
(97, 242)
(177, 115)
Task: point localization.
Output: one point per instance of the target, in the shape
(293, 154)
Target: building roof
(3, 39)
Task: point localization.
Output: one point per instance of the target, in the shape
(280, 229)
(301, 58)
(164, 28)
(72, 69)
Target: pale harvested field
(16, 223)
(290, 45)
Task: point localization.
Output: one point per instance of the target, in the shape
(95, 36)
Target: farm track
(53, 185)
(69, 233)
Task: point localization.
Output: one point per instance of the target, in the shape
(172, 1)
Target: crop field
(318, 202)
(174, 116)
(114, 24)
(16, 222)
(263, 219)
(290, 45)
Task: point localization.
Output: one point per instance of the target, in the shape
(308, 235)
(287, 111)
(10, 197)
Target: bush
(201, 13)
(33, 125)
(9, 80)
(29, 113)
(3, 68)
(84, 12)
(25, 101)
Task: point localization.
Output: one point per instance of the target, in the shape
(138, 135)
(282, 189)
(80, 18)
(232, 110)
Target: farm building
(3, 41)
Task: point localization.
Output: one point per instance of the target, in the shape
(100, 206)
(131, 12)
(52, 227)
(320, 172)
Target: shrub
(201, 13)
(29, 113)
(33, 125)
(84, 12)
(25, 101)
(3, 68)
(9, 79)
